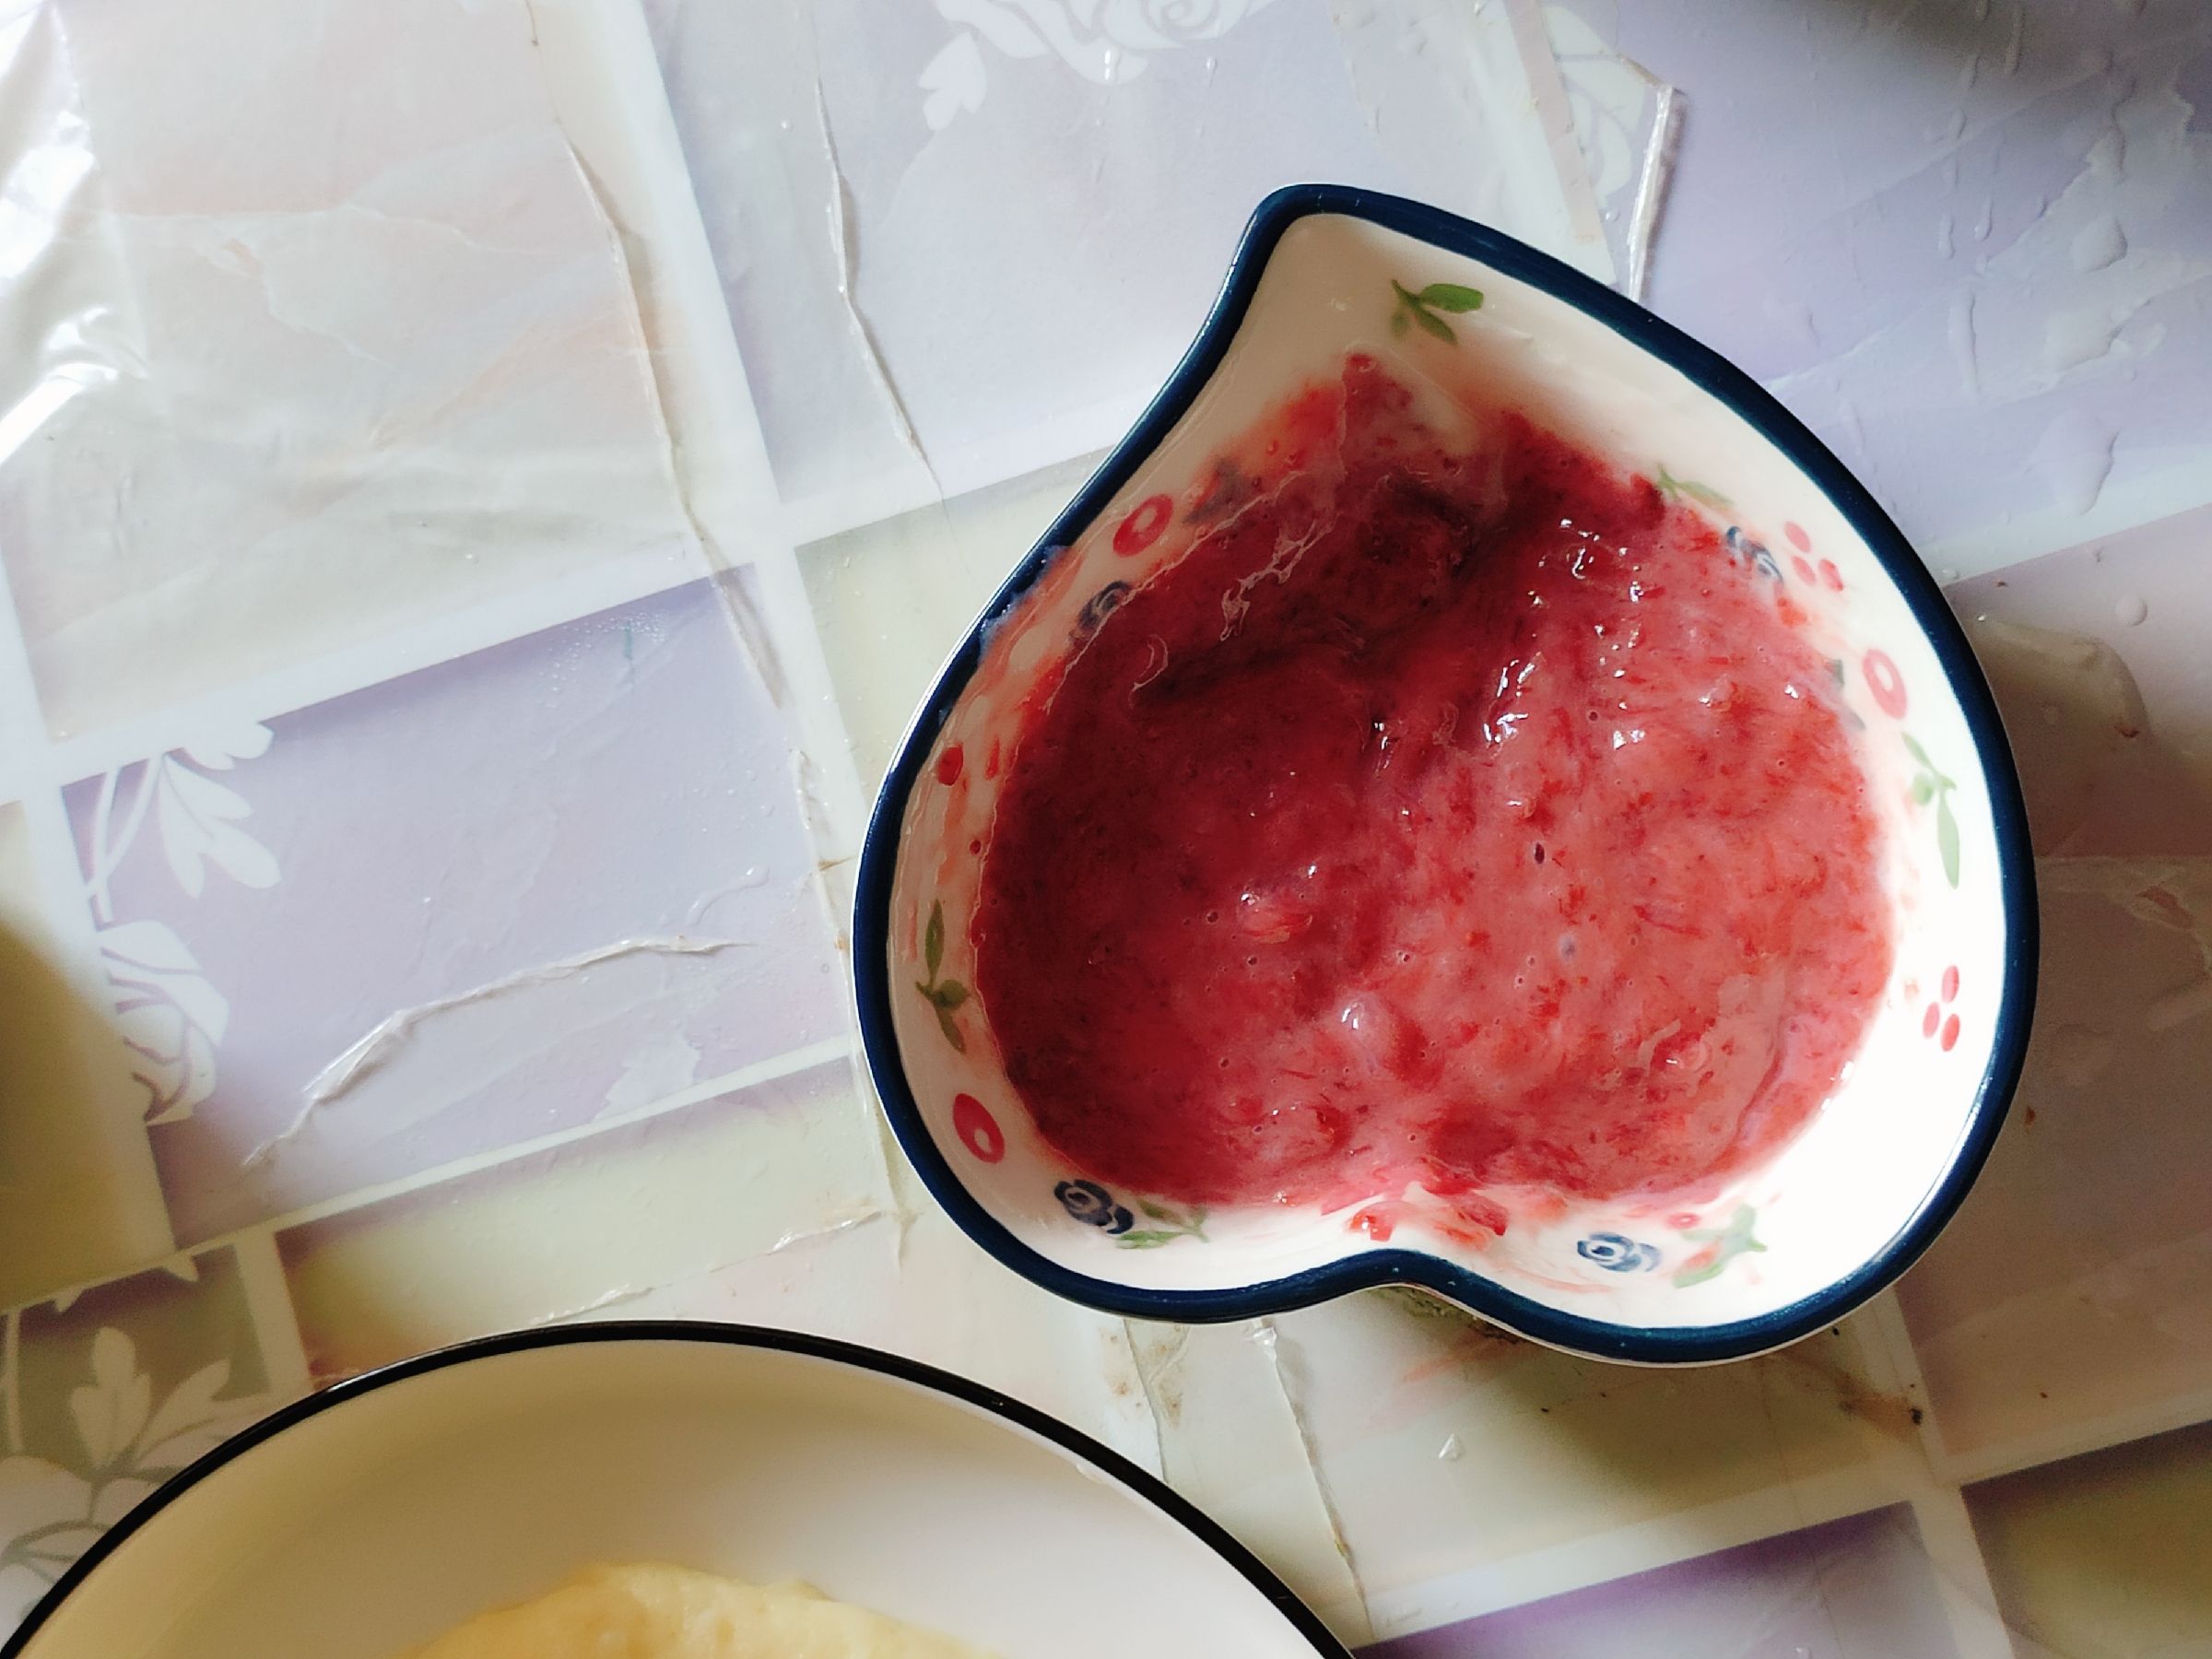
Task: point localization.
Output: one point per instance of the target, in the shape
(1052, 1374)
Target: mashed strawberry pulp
(1459, 817)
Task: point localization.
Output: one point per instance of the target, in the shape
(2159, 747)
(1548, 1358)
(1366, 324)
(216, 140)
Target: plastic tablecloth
(483, 483)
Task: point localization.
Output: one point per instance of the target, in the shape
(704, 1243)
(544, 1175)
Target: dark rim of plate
(1364, 1269)
(1073, 1441)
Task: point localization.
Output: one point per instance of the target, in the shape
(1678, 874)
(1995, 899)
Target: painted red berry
(1950, 984)
(1142, 525)
(949, 764)
(1830, 578)
(1803, 568)
(1886, 683)
(978, 1130)
(1951, 1033)
(1798, 538)
(1928, 1020)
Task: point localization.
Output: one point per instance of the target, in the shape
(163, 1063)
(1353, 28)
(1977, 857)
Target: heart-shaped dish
(1785, 1247)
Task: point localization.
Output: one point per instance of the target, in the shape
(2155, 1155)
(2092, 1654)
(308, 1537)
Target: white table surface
(483, 485)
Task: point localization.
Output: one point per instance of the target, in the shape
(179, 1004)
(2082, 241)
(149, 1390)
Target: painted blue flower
(1617, 1253)
(1102, 604)
(1748, 548)
(1093, 1206)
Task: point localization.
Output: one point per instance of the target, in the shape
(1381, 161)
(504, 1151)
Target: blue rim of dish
(1704, 368)
(1072, 1441)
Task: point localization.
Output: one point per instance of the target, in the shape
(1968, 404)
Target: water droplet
(2098, 245)
(2075, 457)
(2131, 610)
(2080, 1054)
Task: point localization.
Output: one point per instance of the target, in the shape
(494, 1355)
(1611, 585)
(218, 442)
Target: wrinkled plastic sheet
(266, 397)
(929, 223)
(1967, 243)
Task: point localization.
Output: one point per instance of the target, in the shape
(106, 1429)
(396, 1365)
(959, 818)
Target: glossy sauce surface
(1452, 814)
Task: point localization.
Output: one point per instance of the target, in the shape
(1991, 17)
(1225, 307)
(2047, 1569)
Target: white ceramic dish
(1784, 1248)
(373, 1516)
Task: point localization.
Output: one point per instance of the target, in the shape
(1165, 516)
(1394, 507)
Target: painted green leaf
(1174, 1225)
(948, 994)
(1451, 297)
(1923, 787)
(951, 1030)
(1673, 489)
(933, 938)
(1397, 321)
(1728, 1243)
(1435, 324)
(1947, 838)
(1918, 753)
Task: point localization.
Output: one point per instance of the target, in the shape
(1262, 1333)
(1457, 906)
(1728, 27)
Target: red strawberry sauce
(1466, 819)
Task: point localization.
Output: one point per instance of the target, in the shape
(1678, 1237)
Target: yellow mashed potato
(649, 1611)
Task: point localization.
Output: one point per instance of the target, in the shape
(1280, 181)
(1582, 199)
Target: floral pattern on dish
(1617, 1253)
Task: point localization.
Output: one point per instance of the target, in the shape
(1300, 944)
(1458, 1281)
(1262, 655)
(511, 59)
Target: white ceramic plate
(383, 1511)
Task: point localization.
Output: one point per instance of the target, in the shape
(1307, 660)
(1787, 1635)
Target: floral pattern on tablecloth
(107, 1393)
